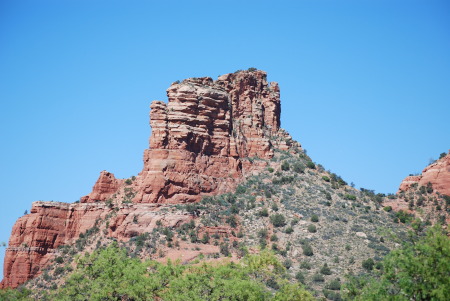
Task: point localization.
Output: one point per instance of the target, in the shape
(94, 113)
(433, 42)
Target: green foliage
(289, 230)
(252, 69)
(128, 182)
(312, 228)
(326, 179)
(298, 167)
(325, 269)
(403, 217)
(368, 264)
(270, 169)
(311, 165)
(334, 285)
(109, 274)
(305, 265)
(263, 212)
(314, 218)
(318, 278)
(442, 155)
(19, 294)
(418, 271)
(300, 277)
(278, 220)
(307, 250)
(240, 189)
(285, 166)
(350, 197)
(387, 208)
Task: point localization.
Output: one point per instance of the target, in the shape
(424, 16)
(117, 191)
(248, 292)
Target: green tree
(418, 271)
(278, 220)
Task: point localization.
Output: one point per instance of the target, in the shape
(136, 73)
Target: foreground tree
(418, 271)
(109, 274)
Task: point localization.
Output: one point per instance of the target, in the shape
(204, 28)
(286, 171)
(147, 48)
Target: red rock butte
(200, 145)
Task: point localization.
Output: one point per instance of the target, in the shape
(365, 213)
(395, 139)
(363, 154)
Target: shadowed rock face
(438, 174)
(200, 144)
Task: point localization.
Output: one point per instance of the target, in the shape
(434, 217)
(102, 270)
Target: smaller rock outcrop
(437, 174)
(105, 186)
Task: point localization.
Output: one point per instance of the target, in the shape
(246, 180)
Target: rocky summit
(200, 144)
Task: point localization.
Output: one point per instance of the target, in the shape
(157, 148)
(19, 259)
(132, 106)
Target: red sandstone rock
(105, 186)
(200, 144)
(36, 236)
(438, 174)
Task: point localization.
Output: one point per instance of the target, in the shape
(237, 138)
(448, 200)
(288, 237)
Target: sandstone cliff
(437, 173)
(203, 142)
(427, 196)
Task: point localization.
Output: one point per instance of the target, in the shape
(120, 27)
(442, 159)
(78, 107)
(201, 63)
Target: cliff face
(200, 144)
(427, 195)
(201, 139)
(438, 174)
(36, 236)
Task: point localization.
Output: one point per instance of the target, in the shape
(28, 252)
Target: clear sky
(365, 85)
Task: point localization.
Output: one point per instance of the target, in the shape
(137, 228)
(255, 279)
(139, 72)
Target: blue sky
(365, 85)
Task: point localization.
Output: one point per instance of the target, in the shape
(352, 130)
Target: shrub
(295, 221)
(252, 69)
(224, 249)
(326, 179)
(59, 259)
(314, 218)
(287, 263)
(58, 271)
(368, 264)
(387, 208)
(264, 212)
(300, 277)
(278, 220)
(285, 166)
(128, 181)
(240, 189)
(318, 278)
(262, 233)
(311, 165)
(289, 230)
(312, 228)
(350, 197)
(275, 207)
(298, 167)
(325, 270)
(305, 265)
(274, 237)
(270, 169)
(334, 285)
(205, 238)
(232, 221)
(307, 250)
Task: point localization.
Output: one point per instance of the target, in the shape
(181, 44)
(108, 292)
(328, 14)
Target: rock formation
(426, 195)
(202, 143)
(437, 173)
